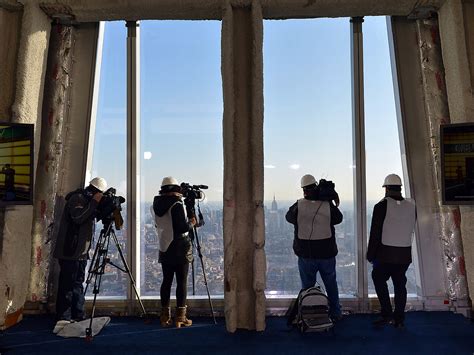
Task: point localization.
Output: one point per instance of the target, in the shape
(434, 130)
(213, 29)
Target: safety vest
(164, 227)
(399, 223)
(314, 220)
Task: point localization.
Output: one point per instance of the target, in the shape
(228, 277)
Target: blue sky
(308, 119)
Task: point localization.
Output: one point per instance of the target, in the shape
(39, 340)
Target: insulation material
(55, 108)
(244, 237)
(16, 248)
(437, 113)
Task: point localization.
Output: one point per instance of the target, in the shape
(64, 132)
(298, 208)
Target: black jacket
(379, 252)
(76, 227)
(315, 249)
(180, 249)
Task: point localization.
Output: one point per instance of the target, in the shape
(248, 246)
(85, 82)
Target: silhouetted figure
(9, 182)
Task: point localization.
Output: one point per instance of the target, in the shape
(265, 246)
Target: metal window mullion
(358, 132)
(133, 161)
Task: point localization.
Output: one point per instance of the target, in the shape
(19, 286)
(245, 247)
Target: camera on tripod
(327, 191)
(191, 193)
(109, 208)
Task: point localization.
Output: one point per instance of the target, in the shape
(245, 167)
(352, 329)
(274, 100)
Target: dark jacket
(315, 249)
(180, 250)
(77, 226)
(379, 252)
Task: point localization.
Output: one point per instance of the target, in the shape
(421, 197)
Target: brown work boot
(181, 320)
(165, 317)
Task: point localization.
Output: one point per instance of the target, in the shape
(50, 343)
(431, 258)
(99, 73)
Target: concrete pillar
(244, 236)
(437, 113)
(456, 23)
(16, 238)
(55, 110)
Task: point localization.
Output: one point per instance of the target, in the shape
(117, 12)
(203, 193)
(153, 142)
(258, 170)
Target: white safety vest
(314, 220)
(164, 227)
(399, 223)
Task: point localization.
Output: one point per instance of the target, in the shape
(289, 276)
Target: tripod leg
(93, 261)
(98, 271)
(127, 270)
(204, 275)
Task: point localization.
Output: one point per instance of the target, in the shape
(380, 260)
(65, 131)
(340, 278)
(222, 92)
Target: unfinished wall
(16, 251)
(456, 21)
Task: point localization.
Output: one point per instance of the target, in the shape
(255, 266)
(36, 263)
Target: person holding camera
(173, 227)
(314, 242)
(389, 250)
(73, 242)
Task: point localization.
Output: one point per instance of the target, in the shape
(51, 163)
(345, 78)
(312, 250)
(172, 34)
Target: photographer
(72, 247)
(173, 228)
(314, 217)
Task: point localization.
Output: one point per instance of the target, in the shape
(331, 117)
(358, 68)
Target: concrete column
(244, 237)
(456, 24)
(437, 113)
(16, 238)
(55, 111)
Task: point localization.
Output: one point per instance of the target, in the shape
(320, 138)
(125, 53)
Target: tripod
(98, 263)
(195, 237)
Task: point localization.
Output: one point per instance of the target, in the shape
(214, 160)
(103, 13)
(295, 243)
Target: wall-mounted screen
(457, 163)
(16, 163)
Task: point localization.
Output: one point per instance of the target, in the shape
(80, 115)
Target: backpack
(310, 311)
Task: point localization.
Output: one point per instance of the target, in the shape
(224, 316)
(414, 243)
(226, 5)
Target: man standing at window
(393, 222)
(72, 248)
(314, 240)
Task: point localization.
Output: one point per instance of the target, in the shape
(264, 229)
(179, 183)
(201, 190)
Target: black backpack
(310, 311)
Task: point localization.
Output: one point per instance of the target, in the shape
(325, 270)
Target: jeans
(327, 269)
(181, 271)
(70, 298)
(381, 272)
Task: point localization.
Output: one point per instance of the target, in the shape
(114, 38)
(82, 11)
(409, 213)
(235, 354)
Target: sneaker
(382, 321)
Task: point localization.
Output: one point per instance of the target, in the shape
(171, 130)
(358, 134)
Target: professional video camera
(109, 208)
(191, 193)
(327, 191)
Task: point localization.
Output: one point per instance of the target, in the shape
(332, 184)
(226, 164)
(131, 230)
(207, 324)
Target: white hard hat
(392, 180)
(169, 180)
(99, 183)
(307, 180)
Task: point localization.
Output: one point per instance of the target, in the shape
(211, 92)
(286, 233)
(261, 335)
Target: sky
(307, 110)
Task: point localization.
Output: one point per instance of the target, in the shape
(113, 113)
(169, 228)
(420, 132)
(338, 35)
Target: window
(382, 141)
(181, 136)
(110, 142)
(307, 89)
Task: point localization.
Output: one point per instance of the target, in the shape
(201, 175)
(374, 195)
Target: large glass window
(308, 130)
(181, 136)
(382, 141)
(110, 142)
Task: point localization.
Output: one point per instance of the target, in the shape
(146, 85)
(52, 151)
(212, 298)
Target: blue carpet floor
(425, 333)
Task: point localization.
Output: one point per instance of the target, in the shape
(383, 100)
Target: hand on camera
(98, 196)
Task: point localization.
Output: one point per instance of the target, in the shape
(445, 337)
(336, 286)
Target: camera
(327, 191)
(109, 208)
(191, 193)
